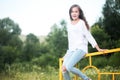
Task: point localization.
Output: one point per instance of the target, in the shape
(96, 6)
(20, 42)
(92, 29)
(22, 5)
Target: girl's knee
(64, 69)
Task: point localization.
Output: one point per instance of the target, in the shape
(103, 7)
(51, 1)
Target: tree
(100, 36)
(31, 48)
(57, 41)
(111, 21)
(10, 43)
(10, 26)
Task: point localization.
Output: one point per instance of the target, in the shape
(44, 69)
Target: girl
(78, 38)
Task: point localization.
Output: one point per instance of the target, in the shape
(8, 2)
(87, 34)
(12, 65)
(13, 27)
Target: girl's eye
(76, 11)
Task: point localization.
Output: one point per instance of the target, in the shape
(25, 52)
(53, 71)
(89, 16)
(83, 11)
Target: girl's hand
(99, 49)
(102, 50)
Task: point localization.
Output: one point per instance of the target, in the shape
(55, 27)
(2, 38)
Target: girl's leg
(76, 57)
(64, 71)
(66, 75)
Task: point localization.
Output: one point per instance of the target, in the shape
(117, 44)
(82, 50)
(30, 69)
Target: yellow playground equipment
(91, 66)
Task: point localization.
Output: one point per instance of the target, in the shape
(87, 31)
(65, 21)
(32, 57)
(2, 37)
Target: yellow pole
(105, 52)
(90, 60)
(99, 76)
(113, 76)
(60, 69)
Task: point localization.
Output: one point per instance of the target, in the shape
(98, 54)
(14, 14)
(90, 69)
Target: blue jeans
(70, 59)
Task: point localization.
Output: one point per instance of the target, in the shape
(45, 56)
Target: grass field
(30, 76)
(48, 73)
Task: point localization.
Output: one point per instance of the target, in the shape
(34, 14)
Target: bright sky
(37, 16)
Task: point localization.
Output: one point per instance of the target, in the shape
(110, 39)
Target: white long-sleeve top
(79, 36)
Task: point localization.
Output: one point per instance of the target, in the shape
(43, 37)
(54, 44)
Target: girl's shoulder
(82, 21)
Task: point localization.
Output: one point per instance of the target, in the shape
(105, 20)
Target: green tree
(111, 21)
(100, 36)
(10, 26)
(10, 43)
(31, 47)
(57, 41)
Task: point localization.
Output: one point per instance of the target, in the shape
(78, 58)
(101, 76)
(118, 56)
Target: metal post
(60, 69)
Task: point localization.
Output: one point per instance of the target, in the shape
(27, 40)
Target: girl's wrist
(98, 48)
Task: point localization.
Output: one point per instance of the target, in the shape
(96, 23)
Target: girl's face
(75, 13)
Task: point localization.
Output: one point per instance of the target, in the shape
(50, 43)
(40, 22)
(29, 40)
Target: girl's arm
(99, 49)
(91, 39)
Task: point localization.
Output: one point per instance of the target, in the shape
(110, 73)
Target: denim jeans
(70, 59)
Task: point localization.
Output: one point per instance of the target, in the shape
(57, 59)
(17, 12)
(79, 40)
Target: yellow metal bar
(98, 71)
(76, 77)
(90, 64)
(99, 76)
(60, 69)
(110, 73)
(113, 77)
(105, 52)
(90, 61)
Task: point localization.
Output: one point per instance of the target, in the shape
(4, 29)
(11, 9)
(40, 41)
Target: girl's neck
(75, 21)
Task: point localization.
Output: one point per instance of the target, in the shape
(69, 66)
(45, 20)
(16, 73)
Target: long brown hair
(81, 16)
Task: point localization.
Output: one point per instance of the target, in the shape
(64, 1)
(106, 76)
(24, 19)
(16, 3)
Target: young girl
(78, 38)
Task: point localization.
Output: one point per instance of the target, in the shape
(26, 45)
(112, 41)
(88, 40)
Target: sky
(38, 16)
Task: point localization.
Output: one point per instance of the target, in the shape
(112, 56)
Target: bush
(44, 60)
(100, 61)
(83, 63)
(114, 60)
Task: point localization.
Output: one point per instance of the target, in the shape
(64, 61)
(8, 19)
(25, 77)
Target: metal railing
(91, 66)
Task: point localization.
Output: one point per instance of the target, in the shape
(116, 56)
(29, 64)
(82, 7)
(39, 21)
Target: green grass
(30, 76)
(34, 72)
(27, 71)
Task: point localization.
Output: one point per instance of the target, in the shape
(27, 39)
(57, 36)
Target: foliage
(13, 50)
(27, 71)
(101, 37)
(57, 41)
(9, 25)
(100, 61)
(114, 60)
(44, 60)
(83, 63)
(10, 43)
(31, 48)
(111, 12)
(108, 36)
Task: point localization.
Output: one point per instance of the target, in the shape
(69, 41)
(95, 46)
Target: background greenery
(39, 57)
